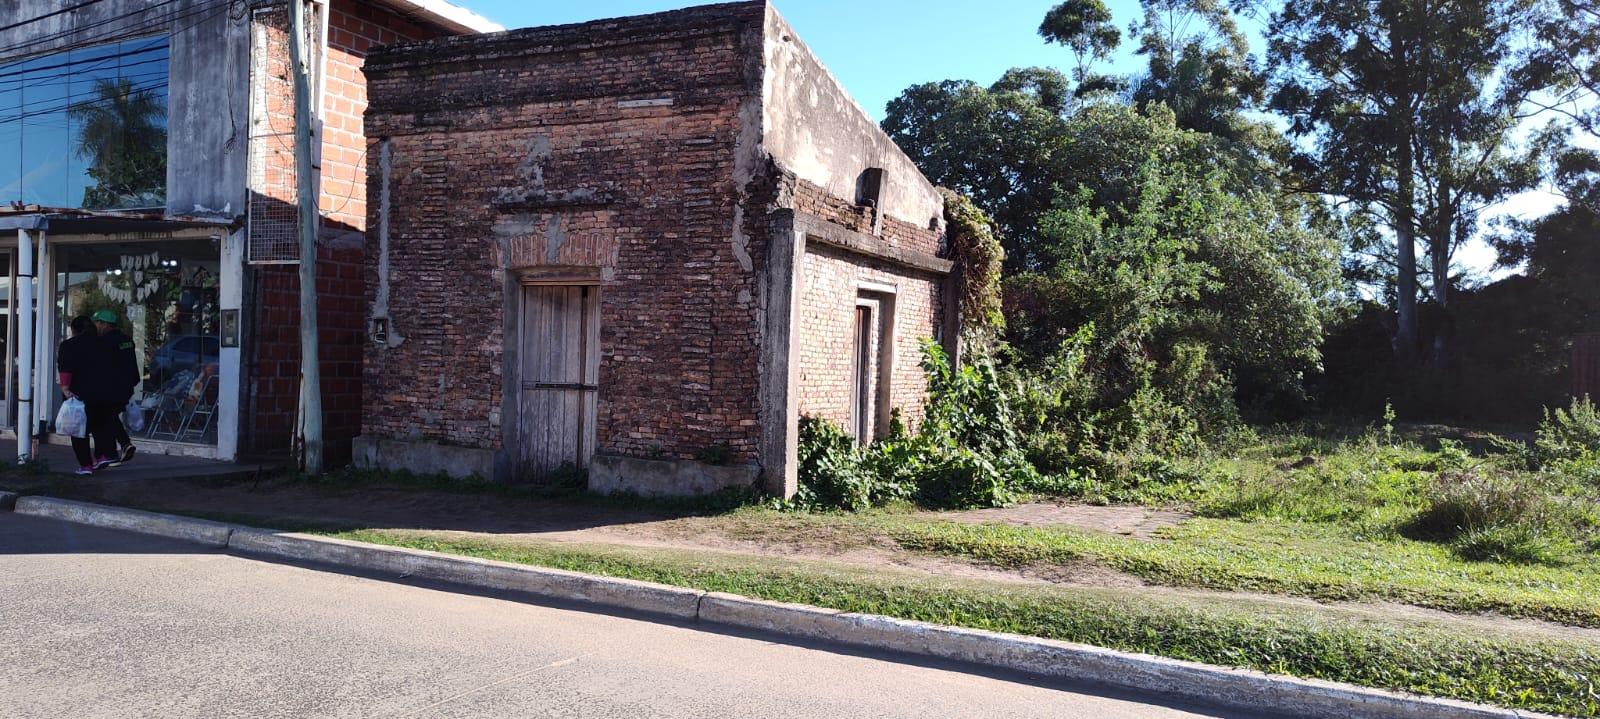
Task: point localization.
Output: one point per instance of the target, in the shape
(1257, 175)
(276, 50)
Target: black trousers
(102, 429)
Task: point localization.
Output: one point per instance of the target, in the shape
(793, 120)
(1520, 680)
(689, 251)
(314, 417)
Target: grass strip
(1311, 560)
(1425, 658)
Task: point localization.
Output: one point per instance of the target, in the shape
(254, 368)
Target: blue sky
(877, 48)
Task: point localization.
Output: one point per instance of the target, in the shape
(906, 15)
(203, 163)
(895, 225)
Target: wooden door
(560, 358)
(862, 374)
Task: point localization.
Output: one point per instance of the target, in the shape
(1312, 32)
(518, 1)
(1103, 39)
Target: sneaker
(127, 454)
(84, 471)
(101, 463)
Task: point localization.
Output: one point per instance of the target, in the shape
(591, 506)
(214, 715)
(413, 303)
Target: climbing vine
(975, 248)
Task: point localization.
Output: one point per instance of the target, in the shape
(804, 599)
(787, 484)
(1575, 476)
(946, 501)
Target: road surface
(96, 623)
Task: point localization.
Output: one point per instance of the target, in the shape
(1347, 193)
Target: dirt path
(519, 520)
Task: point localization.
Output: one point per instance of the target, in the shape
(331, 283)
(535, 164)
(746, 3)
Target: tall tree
(1000, 145)
(1084, 26)
(1565, 60)
(1198, 64)
(1412, 107)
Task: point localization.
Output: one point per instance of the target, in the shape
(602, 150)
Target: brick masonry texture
(611, 147)
(273, 344)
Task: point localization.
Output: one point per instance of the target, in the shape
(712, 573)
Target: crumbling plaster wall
(812, 128)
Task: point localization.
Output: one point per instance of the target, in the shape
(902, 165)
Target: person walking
(84, 368)
(124, 367)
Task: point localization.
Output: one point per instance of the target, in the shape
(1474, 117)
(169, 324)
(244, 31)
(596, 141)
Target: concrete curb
(1061, 660)
(469, 571)
(199, 531)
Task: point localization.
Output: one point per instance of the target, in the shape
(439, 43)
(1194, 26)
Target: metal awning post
(25, 383)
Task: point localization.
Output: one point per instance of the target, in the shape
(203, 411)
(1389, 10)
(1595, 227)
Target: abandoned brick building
(641, 248)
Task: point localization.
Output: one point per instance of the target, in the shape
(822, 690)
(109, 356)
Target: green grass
(1427, 658)
(1320, 561)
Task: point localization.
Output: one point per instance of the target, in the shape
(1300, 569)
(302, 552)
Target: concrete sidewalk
(150, 464)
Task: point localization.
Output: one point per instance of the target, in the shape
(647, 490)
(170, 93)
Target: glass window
(86, 127)
(165, 295)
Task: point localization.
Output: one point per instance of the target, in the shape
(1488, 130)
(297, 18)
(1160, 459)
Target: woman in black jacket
(86, 373)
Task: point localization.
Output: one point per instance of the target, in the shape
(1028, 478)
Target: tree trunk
(1439, 252)
(1406, 339)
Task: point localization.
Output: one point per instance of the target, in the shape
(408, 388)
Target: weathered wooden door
(560, 358)
(862, 375)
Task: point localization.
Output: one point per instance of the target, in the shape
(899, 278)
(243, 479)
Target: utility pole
(310, 221)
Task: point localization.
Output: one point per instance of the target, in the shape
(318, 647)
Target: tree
(1192, 280)
(1411, 106)
(122, 133)
(1565, 61)
(1198, 64)
(1001, 146)
(1085, 27)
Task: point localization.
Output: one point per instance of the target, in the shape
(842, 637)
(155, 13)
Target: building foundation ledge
(424, 458)
(612, 474)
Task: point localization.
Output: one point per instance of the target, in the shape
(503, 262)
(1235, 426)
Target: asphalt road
(96, 623)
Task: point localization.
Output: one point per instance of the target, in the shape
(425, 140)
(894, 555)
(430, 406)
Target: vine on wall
(975, 249)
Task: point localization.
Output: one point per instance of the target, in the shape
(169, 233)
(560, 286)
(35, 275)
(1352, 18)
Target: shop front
(173, 286)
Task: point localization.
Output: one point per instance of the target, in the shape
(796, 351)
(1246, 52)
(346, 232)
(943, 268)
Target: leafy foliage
(967, 453)
(975, 248)
(1188, 282)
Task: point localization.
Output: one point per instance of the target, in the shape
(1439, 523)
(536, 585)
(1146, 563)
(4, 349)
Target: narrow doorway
(560, 362)
(862, 374)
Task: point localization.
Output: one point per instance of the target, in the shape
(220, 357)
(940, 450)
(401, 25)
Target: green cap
(106, 316)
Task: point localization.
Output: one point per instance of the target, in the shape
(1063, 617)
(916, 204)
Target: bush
(1496, 514)
(968, 452)
(1516, 544)
(831, 471)
(1569, 437)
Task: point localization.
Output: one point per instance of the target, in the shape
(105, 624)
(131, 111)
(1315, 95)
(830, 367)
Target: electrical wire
(149, 25)
(48, 15)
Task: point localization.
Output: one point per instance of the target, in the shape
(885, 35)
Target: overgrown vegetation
(967, 452)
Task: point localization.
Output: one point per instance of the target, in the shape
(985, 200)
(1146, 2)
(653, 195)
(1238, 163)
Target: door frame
(512, 421)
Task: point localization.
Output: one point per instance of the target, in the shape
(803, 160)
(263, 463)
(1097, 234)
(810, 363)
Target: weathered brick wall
(831, 282)
(825, 338)
(900, 233)
(609, 144)
(273, 333)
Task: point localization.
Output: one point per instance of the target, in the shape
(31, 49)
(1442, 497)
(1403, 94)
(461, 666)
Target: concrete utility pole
(25, 384)
(310, 221)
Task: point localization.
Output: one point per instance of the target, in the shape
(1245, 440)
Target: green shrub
(967, 453)
(830, 468)
(1504, 515)
(1569, 440)
(1466, 501)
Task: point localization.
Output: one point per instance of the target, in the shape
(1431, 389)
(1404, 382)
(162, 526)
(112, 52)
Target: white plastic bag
(133, 417)
(73, 419)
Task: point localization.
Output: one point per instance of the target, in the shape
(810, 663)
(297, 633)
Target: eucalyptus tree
(1411, 108)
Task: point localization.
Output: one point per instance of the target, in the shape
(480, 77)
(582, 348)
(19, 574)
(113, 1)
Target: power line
(18, 50)
(62, 11)
(27, 84)
(163, 47)
(70, 105)
(148, 25)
